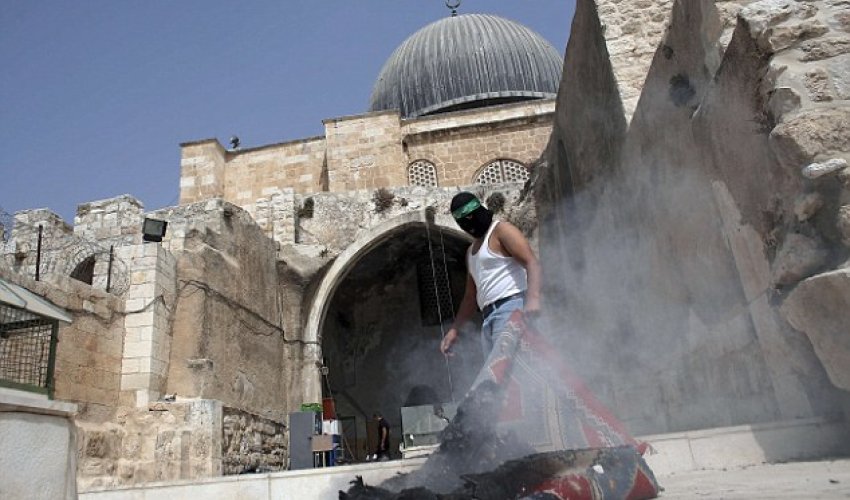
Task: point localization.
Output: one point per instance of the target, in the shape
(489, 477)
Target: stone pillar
(147, 341)
(365, 152)
(201, 171)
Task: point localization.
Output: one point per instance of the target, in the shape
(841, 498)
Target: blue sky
(97, 95)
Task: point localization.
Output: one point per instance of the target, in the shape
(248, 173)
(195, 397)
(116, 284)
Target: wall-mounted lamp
(153, 230)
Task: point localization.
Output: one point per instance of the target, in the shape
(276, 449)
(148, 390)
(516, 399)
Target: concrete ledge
(289, 485)
(719, 448)
(745, 445)
(22, 401)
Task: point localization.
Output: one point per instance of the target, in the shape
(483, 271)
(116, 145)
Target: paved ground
(828, 479)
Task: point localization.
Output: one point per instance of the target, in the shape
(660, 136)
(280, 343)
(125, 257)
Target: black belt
(493, 305)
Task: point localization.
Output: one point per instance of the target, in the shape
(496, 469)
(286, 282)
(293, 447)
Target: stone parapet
(115, 221)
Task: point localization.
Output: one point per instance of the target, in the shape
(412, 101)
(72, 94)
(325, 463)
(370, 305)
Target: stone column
(149, 304)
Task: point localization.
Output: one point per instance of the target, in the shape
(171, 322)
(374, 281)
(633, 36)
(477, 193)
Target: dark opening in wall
(85, 270)
(435, 298)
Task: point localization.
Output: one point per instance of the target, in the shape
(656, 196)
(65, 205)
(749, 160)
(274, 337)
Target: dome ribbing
(466, 61)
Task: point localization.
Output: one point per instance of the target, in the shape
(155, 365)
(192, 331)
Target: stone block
(141, 319)
(143, 291)
(798, 258)
(135, 381)
(810, 135)
(820, 307)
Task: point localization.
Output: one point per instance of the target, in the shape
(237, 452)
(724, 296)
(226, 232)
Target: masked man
(503, 274)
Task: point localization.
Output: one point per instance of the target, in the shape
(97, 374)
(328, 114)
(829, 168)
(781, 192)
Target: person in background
(503, 273)
(382, 453)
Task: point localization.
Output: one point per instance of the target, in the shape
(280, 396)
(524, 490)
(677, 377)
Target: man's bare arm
(516, 245)
(464, 314)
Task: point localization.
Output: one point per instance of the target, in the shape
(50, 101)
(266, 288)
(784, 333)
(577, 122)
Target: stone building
(337, 251)
(684, 178)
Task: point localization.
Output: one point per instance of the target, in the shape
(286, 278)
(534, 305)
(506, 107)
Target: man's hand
(448, 341)
(532, 307)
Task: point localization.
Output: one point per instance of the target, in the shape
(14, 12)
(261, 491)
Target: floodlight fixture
(153, 229)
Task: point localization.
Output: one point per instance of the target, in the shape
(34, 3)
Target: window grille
(422, 173)
(434, 288)
(27, 350)
(502, 171)
(85, 270)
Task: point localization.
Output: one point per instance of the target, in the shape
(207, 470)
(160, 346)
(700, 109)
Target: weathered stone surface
(776, 24)
(844, 224)
(783, 100)
(820, 169)
(844, 177)
(820, 308)
(819, 85)
(824, 48)
(806, 205)
(838, 69)
(798, 258)
(251, 443)
(811, 134)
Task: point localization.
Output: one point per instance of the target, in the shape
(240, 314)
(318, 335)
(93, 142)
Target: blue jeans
(495, 321)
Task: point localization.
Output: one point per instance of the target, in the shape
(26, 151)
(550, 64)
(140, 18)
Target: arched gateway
(376, 321)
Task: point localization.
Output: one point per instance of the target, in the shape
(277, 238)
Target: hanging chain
(437, 296)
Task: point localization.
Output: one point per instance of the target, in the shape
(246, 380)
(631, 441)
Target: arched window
(422, 173)
(502, 171)
(85, 270)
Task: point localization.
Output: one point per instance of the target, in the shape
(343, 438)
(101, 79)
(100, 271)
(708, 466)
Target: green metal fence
(27, 350)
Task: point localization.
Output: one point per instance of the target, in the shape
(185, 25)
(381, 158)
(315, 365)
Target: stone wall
(364, 151)
(202, 172)
(461, 152)
(338, 219)
(88, 354)
(170, 440)
(633, 31)
(115, 221)
(359, 153)
(683, 232)
(66, 250)
(226, 326)
(251, 443)
(21, 249)
(257, 173)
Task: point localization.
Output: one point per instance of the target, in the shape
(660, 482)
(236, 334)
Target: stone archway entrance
(379, 324)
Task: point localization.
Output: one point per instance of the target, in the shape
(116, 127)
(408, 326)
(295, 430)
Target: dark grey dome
(467, 61)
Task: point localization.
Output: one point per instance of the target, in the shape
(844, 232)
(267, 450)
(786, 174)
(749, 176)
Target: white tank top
(495, 276)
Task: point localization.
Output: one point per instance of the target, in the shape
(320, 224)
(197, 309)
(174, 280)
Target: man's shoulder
(505, 228)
